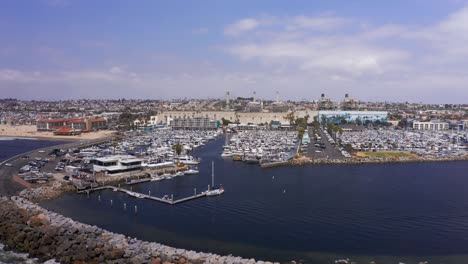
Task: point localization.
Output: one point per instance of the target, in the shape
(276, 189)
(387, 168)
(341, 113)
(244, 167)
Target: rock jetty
(29, 228)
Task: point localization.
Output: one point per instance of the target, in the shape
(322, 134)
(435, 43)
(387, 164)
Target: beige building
(233, 116)
(431, 125)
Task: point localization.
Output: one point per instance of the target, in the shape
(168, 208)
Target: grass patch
(384, 154)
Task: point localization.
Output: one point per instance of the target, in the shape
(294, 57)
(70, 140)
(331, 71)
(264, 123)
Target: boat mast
(212, 174)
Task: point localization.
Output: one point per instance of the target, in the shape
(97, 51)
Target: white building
(194, 123)
(430, 125)
(117, 164)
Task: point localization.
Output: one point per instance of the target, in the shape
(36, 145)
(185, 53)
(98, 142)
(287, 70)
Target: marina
(164, 199)
(303, 205)
(261, 146)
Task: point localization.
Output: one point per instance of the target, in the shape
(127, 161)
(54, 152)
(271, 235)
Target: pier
(144, 196)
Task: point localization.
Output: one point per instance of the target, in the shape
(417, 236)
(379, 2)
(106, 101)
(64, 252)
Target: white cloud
(319, 23)
(241, 26)
(115, 70)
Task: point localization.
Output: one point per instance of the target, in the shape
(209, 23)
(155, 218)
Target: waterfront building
(116, 164)
(202, 123)
(66, 131)
(344, 117)
(430, 125)
(77, 124)
(256, 118)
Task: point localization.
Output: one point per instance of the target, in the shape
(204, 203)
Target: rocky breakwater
(29, 228)
(45, 192)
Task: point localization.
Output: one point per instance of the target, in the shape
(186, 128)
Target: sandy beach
(25, 131)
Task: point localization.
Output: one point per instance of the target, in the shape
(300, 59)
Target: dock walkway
(144, 196)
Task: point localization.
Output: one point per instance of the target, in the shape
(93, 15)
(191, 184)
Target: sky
(408, 50)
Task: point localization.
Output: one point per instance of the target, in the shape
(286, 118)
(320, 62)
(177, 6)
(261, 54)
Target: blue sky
(374, 50)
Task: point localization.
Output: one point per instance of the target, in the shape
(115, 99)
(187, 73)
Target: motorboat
(191, 172)
(188, 160)
(227, 154)
(134, 194)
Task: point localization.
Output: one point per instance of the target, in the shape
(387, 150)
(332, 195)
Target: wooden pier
(144, 196)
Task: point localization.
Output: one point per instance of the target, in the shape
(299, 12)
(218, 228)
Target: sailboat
(214, 191)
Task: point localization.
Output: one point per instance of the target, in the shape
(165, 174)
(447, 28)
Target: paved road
(329, 152)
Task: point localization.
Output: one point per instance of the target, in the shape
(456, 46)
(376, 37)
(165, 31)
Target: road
(329, 152)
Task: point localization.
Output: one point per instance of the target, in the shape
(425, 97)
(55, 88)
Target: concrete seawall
(29, 228)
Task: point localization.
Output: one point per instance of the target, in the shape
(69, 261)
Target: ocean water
(389, 213)
(10, 146)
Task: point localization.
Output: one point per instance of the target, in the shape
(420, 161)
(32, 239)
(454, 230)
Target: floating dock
(144, 196)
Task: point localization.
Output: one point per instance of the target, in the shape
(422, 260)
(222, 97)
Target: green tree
(225, 121)
(290, 117)
(177, 148)
(301, 132)
(324, 120)
(306, 118)
(358, 121)
(301, 122)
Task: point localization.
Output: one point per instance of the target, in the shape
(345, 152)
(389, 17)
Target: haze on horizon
(376, 51)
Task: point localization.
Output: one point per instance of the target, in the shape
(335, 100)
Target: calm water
(389, 213)
(10, 147)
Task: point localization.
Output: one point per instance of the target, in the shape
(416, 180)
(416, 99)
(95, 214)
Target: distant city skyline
(415, 51)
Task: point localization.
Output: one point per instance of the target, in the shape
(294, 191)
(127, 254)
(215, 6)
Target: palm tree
(177, 148)
(290, 117)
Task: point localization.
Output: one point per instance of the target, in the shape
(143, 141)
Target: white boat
(180, 173)
(214, 191)
(191, 172)
(188, 160)
(8, 165)
(134, 194)
(156, 178)
(227, 154)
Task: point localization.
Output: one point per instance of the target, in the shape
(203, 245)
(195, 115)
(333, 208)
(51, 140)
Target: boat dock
(145, 196)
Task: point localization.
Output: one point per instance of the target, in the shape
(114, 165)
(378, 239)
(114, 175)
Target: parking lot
(325, 151)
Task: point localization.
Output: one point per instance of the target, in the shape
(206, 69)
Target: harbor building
(430, 125)
(255, 118)
(353, 117)
(76, 124)
(202, 123)
(116, 164)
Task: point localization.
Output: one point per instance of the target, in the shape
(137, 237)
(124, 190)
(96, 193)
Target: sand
(25, 131)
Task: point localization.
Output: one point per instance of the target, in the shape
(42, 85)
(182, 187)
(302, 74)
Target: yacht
(188, 160)
(227, 153)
